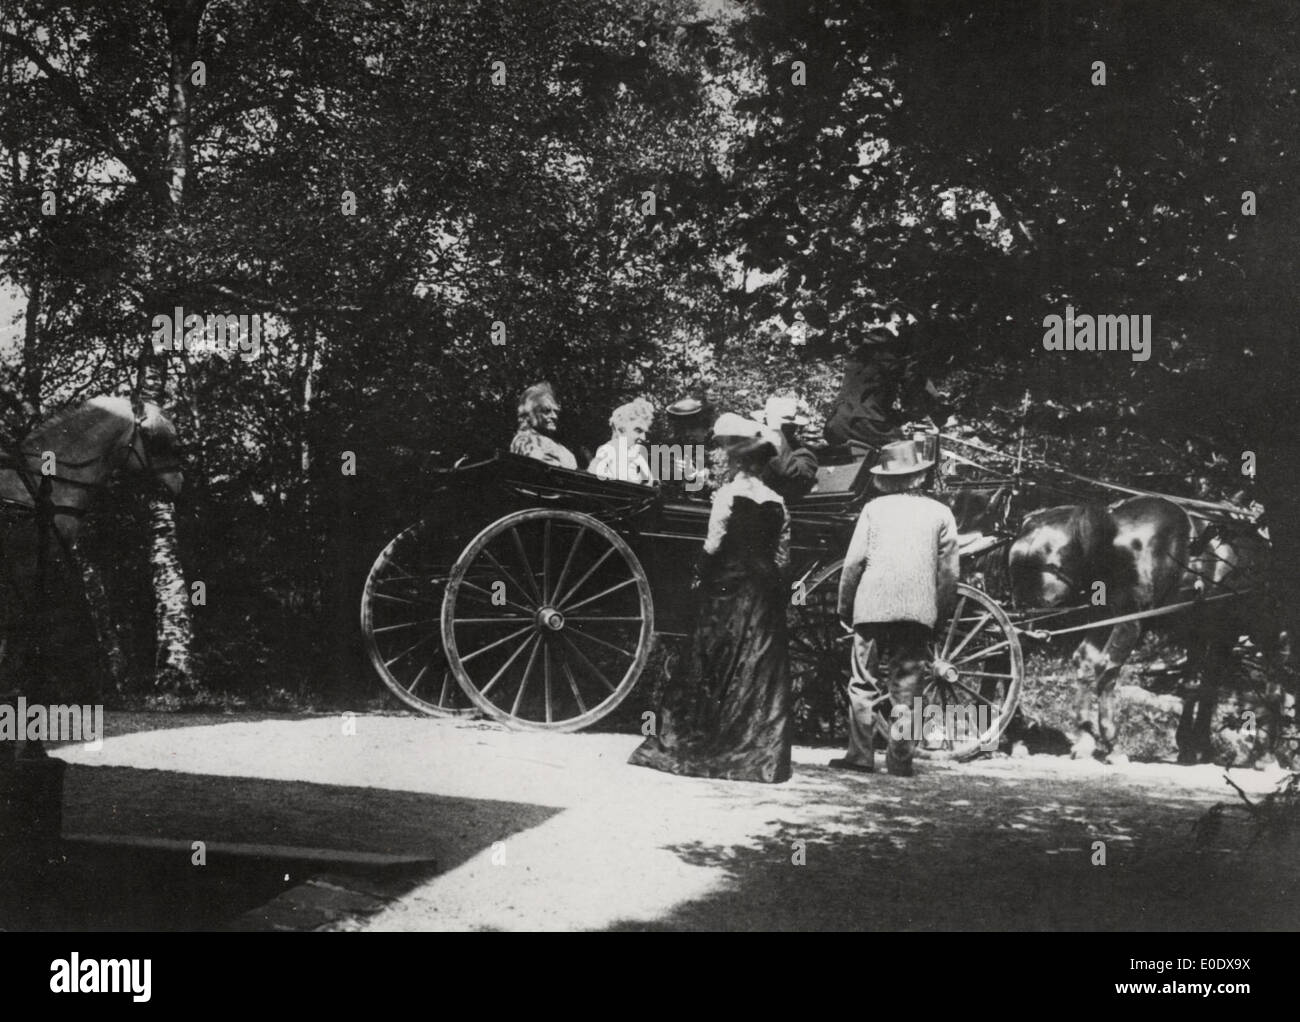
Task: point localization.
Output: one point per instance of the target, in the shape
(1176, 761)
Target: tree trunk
(33, 371)
(175, 631)
(105, 622)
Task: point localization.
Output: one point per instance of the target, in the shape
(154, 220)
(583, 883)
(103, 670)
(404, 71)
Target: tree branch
(68, 90)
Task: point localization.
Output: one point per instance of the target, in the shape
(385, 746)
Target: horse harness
(42, 507)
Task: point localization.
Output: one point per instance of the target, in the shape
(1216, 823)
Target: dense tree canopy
(644, 194)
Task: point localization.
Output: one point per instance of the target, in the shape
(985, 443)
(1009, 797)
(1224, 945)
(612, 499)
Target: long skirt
(726, 707)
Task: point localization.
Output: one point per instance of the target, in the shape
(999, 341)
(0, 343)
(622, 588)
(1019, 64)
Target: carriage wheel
(547, 620)
(819, 651)
(401, 609)
(973, 679)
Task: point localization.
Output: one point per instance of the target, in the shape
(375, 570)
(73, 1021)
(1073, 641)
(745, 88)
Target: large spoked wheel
(547, 620)
(401, 618)
(972, 682)
(819, 649)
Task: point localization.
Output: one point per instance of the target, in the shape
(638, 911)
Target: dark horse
(1149, 553)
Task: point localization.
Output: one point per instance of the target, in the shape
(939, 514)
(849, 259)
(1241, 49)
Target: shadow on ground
(278, 855)
(951, 858)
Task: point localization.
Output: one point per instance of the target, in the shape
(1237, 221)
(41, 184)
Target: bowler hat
(685, 408)
(901, 458)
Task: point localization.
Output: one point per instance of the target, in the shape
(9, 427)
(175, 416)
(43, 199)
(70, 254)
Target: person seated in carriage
(623, 457)
(686, 467)
(793, 471)
(539, 415)
(884, 385)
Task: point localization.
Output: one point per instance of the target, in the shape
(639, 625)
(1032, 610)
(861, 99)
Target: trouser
(891, 656)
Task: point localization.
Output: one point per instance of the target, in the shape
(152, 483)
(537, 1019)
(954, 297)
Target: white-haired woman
(539, 414)
(623, 457)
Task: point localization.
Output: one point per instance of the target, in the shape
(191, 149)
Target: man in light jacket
(899, 580)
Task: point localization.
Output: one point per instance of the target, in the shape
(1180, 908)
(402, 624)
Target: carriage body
(664, 529)
(534, 594)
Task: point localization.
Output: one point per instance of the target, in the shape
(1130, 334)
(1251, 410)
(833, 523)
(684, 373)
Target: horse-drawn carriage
(533, 594)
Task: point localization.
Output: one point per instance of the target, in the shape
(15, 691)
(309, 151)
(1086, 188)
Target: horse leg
(1193, 689)
(1216, 663)
(1088, 662)
(1121, 643)
(1273, 709)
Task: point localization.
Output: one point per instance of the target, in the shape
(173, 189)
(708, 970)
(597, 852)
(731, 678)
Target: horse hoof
(1019, 751)
(1187, 758)
(1084, 748)
(1266, 762)
(1117, 759)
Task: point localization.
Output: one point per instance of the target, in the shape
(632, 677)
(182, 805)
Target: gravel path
(544, 831)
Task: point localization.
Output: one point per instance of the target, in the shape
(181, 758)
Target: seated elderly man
(624, 456)
(539, 414)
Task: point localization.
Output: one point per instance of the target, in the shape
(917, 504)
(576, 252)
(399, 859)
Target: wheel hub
(549, 617)
(945, 671)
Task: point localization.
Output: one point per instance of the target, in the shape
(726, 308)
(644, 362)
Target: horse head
(87, 442)
(153, 449)
(1059, 552)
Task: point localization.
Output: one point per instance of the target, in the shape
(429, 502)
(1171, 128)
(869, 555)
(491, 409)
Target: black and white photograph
(651, 465)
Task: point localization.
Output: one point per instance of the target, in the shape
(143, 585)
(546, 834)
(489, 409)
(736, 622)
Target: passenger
(539, 414)
(687, 466)
(793, 472)
(884, 385)
(624, 456)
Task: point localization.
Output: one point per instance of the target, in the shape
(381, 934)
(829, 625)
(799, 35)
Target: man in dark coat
(686, 468)
(793, 472)
(883, 388)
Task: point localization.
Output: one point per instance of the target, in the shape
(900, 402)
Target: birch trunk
(175, 630)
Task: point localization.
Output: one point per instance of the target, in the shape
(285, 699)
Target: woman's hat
(901, 458)
(730, 424)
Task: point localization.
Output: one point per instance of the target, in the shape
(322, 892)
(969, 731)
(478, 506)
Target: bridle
(39, 485)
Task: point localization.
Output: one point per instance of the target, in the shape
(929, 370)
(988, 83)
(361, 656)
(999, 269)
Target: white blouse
(753, 488)
(623, 461)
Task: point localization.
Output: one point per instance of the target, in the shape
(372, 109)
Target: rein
(14, 459)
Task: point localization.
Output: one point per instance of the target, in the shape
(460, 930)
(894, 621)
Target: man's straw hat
(901, 458)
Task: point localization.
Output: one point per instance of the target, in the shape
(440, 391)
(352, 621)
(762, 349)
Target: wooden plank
(296, 853)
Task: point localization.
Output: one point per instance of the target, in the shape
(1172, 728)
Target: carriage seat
(840, 469)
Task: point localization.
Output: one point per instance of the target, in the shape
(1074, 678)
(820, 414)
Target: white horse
(49, 482)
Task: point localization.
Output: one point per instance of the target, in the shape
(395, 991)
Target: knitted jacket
(902, 563)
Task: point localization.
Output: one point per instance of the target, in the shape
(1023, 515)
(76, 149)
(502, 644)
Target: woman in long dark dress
(726, 708)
